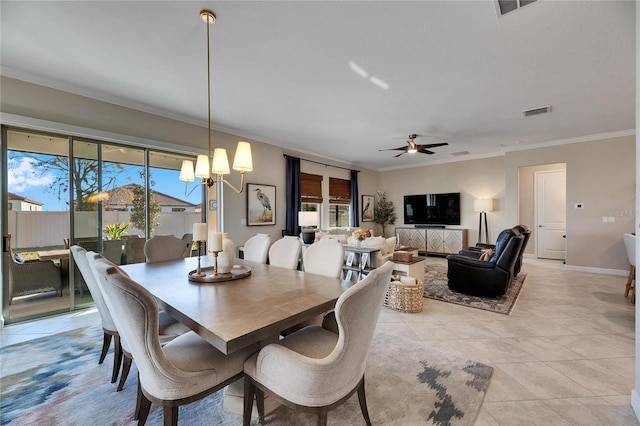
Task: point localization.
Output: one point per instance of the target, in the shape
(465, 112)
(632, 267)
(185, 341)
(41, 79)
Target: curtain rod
(318, 162)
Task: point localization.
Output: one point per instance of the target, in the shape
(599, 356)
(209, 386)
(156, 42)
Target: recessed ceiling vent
(506, 6)
(537, 111)
(456, 154)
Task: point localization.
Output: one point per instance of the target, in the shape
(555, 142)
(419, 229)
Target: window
(339, 201)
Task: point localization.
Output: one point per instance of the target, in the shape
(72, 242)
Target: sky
(27, 180)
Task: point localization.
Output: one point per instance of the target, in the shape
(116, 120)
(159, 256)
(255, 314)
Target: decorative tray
(236, 273)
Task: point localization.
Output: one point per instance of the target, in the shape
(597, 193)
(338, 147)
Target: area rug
(57, 380)
(436, 287)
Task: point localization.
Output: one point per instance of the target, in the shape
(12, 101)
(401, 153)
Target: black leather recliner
(526, 233)
(486, 278)
(477, 250)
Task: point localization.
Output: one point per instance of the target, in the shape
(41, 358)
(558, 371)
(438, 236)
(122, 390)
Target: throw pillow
(17, 258)
(486, 255)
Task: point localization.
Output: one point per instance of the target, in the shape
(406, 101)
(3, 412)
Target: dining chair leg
(126, 367)
(170, 415)
(139, 396)
(145, 406)
(322, 417)
(106, 341)
(117, 358)
(630, 280)
(249, 392)
(260, 405)
(362, 398)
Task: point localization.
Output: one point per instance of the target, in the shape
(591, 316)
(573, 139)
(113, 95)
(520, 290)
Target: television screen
(432, 209)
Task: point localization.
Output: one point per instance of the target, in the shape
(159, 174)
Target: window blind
(310, 188)
(339, 191)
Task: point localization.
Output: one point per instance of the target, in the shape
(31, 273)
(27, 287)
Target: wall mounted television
(432, 209)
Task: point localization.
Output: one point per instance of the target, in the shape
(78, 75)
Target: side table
(414, 269)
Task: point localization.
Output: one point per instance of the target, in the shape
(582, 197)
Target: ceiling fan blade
(396, 156)
(402, 148)
(425, 151)
(431, 145)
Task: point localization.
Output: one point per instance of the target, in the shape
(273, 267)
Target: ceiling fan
(412, 147)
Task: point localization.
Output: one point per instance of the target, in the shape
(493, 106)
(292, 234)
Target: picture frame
(261, 204)
(368, 205)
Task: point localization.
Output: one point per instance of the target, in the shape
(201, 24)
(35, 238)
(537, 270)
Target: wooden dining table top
(233, 314)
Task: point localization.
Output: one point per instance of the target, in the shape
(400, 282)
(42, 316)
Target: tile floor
(565, 356)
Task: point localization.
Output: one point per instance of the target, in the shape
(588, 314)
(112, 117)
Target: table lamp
(307, 220)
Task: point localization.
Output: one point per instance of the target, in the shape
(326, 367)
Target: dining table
(237, 313)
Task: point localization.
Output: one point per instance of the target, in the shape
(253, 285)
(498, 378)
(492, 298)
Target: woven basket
(402, 256)
(404, 297)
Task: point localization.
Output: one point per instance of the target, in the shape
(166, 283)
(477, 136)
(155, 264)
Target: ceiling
(285, 72)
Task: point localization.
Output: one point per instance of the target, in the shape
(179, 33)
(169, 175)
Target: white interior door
(551, 227)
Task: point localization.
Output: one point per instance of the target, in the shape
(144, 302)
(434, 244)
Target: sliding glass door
(108, 198)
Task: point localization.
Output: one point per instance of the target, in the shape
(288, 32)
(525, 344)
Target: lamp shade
(220, 162)
(308, 218)
(202, 166)
(186, 171)
(243, 161)
(483, 205)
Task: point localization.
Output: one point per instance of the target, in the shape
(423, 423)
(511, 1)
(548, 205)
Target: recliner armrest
(470, 262)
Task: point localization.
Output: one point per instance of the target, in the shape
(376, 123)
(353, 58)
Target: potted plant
(384, 212)
(115, 231)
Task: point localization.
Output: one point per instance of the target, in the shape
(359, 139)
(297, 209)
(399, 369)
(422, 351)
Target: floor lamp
(483, 206)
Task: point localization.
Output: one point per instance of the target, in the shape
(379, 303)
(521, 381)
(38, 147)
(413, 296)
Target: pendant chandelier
(242, 161)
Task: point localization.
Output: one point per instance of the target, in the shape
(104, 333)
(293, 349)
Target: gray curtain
(293, 201)
(355, 213)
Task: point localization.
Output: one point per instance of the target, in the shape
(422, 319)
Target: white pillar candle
(199, 232)
(215, 239)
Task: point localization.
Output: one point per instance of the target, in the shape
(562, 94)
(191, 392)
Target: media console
(431, 240)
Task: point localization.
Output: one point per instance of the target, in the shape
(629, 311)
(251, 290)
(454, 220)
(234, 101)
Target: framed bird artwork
(261, 204)
(368, 205)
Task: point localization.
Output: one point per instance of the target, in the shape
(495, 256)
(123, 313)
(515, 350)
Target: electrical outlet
(243, 221)
(608, 219)
(578, 205)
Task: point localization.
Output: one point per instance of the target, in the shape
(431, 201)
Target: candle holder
(199, 272)
(215, 260)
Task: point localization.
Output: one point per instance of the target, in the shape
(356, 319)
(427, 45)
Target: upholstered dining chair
(185, 370)
(318, 368)
(108, 326)
(188, 243)
(134, 250)
(285, 252)
(164, 247)
(630, 246)
(169, 328)
(324, 257)
(256, 249)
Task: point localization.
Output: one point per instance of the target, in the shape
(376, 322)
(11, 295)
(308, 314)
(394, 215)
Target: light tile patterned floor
(565, 356)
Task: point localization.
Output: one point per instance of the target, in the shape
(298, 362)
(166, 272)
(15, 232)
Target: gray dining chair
(165, 247)
(108, 326)
(169, 328)
(256, 249)
(285, 253)
(318, 368)
(183, 371)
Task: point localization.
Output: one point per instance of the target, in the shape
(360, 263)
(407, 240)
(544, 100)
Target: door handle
(540, 226)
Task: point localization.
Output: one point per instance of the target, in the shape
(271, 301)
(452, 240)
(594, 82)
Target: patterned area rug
(57, 380)
(435, 287)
